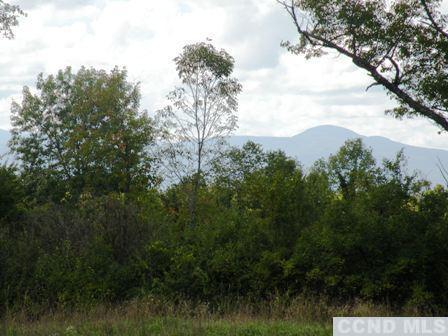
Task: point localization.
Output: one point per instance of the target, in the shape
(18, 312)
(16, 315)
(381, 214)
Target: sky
(283, 94)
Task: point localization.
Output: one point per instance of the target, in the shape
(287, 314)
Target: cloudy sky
(283, 94)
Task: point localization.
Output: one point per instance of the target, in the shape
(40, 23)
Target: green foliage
(203, 57)
(353, 169)
(11, 195)
(296, 233)
(200, 115)
(348, 229)
(402, 45)
(79, 254)
(9, 18)
(82, 132)
(168, 325)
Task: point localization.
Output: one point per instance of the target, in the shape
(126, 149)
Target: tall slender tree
(201, 113)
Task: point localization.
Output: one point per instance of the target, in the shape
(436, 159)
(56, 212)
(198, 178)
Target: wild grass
(154, 316)
(171, 326)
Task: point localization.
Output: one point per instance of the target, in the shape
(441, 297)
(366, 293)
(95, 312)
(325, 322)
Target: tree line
(348, 229)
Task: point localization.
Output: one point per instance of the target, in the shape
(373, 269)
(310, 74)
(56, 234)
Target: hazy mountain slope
(321, 141)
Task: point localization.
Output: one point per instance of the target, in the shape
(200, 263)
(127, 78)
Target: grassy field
(170, 327)
(153, 316)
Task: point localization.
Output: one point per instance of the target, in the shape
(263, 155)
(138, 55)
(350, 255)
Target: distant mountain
(322, 141)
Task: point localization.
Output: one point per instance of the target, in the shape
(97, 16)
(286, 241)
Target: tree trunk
(196, 183)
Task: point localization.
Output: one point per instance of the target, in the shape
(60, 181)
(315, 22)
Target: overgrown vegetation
(346, 230)
(88, 219)
(155, 316)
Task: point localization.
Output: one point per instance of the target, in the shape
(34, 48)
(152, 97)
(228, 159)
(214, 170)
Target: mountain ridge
(322, 141)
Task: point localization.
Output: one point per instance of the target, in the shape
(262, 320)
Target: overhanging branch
(431, 18)
(391, 86)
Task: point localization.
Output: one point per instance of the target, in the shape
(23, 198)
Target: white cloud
(283, 94)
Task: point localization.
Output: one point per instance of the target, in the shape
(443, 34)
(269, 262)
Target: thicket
(347, 229)
(88, 217)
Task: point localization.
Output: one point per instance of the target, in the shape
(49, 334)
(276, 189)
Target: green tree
(83, 132)
(232, 168)
(11, 195)
(201, 113)
(9, 18)
(402, 44)
(276, 193)
(269, 186)
(352, 169)
(366, 246)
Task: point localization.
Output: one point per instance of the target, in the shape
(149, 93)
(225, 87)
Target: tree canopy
(9, 18)
(83, 131)
(202, 112)
(402, 44)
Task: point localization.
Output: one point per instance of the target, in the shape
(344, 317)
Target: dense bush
(347, 229)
